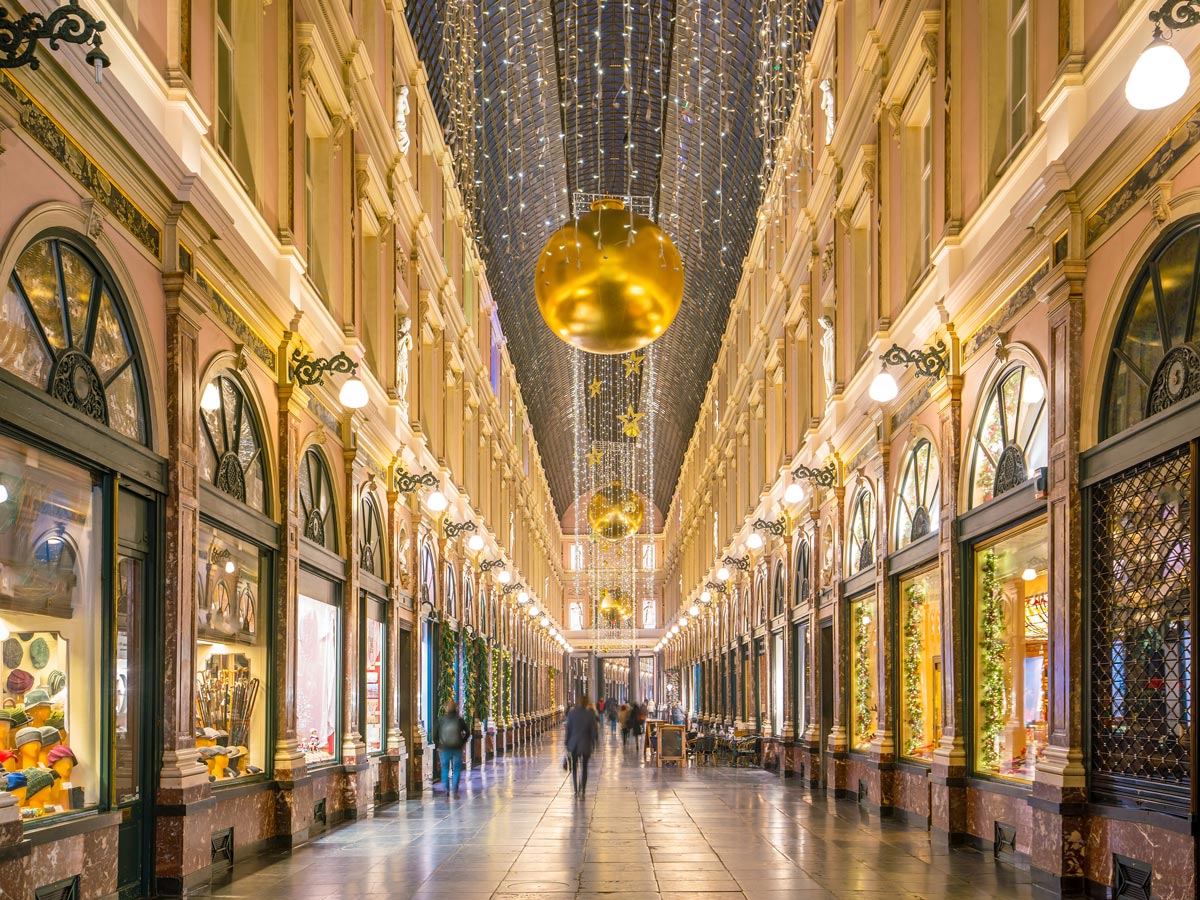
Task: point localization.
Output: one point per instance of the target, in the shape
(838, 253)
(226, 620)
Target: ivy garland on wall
(914, 708)
(862, 674)
(992, 653)
(447, 653)
(494, 687)
(506, 687)
(477, 680)
(552, 677)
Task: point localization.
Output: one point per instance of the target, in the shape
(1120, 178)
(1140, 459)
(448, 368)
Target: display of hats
(209, 733)
(62, 751)
(234, 752)
(6, 755)
(18, 717)
(39, 653)
(12, 653)
(50, 736)
(19, 681)
(17, 780)
(56, 681)
(38, 779)
(36, 699)
(27, 736)
(57, 720)
(208, 752)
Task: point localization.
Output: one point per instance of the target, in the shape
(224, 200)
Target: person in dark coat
(583, 731)
(451, 737)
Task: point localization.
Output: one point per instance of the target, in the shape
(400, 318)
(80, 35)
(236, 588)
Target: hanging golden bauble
(615, 512)
(614, 605)
(609, 281)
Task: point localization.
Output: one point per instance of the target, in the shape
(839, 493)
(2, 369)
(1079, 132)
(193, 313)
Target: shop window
(779, 594)
(1154, 361)
(317, 501)
(66, 333)
(917, 504)
(920, 664)
(231, 656)
(864, 683)
(231, 454)
(802, 575)
(777, 683)
(375, 677)
(860, 549)
(318, 647)
(51, 585)
(371, 557)
(1011, 623)
(800, 674)
(1009, 443)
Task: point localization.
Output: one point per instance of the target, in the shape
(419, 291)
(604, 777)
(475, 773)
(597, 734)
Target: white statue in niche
(827, 106)
(403, 346)
(402, 110)
(827, 355)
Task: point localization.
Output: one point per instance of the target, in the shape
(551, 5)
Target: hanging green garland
(552, 676)
(477, 683)
(447, 653)
(506, 686)
(862, 674)
(494, 685)
(914, 708)
(993, 647)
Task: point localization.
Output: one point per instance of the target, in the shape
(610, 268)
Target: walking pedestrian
(623, 718)
(452, 733)
(582, 733)
(610, 710)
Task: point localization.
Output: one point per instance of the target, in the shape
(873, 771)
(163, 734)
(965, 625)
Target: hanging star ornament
(633, 364)
(594, 387)
(595, 456)
(631, 421)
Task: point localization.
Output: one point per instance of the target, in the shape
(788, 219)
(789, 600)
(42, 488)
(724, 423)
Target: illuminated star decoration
(631, 421)
(633, 364)
(594, 387)
(595, 456)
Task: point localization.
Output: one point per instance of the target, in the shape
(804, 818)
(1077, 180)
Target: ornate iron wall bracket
(489, 564)
(454, 529)
(307, 370)
(931, 363)
(741, 563)
(406, 482)
(513, 588)
(823, 477)
(717, 586)
(776, 528)
(71, 23)
(1175, 14)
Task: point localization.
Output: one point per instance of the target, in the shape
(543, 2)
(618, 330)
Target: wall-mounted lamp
(931, 363)
(823, 477)
(308, 370)
(775, 528)
(509, 588)
(1160, 76)
(741, 563)
(407, 483)
(694, 611)
(489, 564)
(454, 529)
(723, 574)
(427, 609)
(70, 23)
(475, 543)
(712, 586)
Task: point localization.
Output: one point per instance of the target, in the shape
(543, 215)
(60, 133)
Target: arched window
(760, 598)
(428, 575)
(468, 600)
(802, 570)
(779, 595)
(231, 454)
(451, 593)
(1155, 359)
(917, 511)
(1010, 438)
(62, 328)
(316, 500)
(371, 557)
(860, 548)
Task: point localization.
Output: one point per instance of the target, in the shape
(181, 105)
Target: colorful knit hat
(16, 780)
(39, 780)
(16, 717)
(12, 653)
(27, 736)
(19, 681)
(62, 751)
(39, 653)
(56, 681)
(37, 698)
(57, 720)
(50, 736)
(6, 755)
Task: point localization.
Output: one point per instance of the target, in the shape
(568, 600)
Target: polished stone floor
(641, 834)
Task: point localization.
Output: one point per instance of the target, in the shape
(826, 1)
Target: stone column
(837, 742)
(948, 774)
(355, 775)
(180, 862)
(1059, 788)
(394, 766)
(882, 788)
(294, 808)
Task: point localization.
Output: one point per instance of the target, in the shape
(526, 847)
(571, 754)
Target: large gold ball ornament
(615, 512)
(614, 605)
(609, 281)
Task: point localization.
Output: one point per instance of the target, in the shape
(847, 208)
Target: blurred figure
(677, 716)
(623, 718)
(610, 710)
(582, 732)
(452, 734)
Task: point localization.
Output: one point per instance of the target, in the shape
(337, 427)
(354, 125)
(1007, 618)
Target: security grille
(67, 889)
(1132, 880)
(222, 849)
(1141, 633)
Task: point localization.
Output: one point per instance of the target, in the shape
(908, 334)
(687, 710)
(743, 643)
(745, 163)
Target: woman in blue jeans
(582, 733)
(450, 737)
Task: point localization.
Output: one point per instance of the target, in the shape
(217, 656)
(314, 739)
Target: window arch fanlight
(317, 500)
(468, 600)
(451, 592)
(1009, 441)
(759, 599)
(231, 447)
(802, 574)
(860, 549)
(64, 329)
(779, 594)
(1155, 358)
(428, 575)
(371, 556)
(917, 503)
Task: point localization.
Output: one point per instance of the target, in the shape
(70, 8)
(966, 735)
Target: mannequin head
(62, 760)
(50, 739)
(37, 706)
(40, 786)
(16, 786)
(29, 744)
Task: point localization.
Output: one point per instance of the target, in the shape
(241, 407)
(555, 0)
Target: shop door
(134, 696)
(826, 677)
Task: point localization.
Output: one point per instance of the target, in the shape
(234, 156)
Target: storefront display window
(51, 615)
(1011, 606)
(864, 683)
(920, 622)
(231, 657)
(375, 662)
(318, 650)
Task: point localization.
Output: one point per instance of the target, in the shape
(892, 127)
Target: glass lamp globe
(353, 394)
(883, 388)
(475, 542)
(755, 541)
(1029, 574)
(437, 502)
(693, 610)
(706, 597)
(533, 611)
(674, 629)
(683, 621)
(545, 621)
(522, 598)
(504, 577)
(1158, 78)
(794, 494)
(3, 494)
(210, 399)
(722, 574)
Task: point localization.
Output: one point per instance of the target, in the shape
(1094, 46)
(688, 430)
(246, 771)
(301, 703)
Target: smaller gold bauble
(615, 512)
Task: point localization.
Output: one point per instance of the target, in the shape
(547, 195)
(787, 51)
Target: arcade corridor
(645, 833)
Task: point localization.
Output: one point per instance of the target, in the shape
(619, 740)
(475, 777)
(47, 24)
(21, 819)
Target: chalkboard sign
(670, 744)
